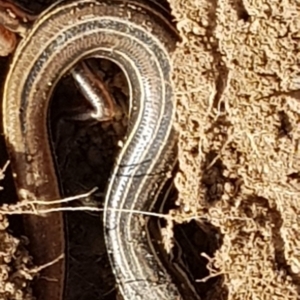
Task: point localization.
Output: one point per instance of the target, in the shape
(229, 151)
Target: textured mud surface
(237, 83)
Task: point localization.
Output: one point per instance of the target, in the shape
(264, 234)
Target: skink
(139, 40)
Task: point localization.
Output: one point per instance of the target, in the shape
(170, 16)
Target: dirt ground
(237, 83)
(236, 76)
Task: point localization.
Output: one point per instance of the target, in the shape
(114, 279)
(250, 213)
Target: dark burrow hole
(240, 9)
(86, 151)
(85, 155)
(285, 127)
(190, 239)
